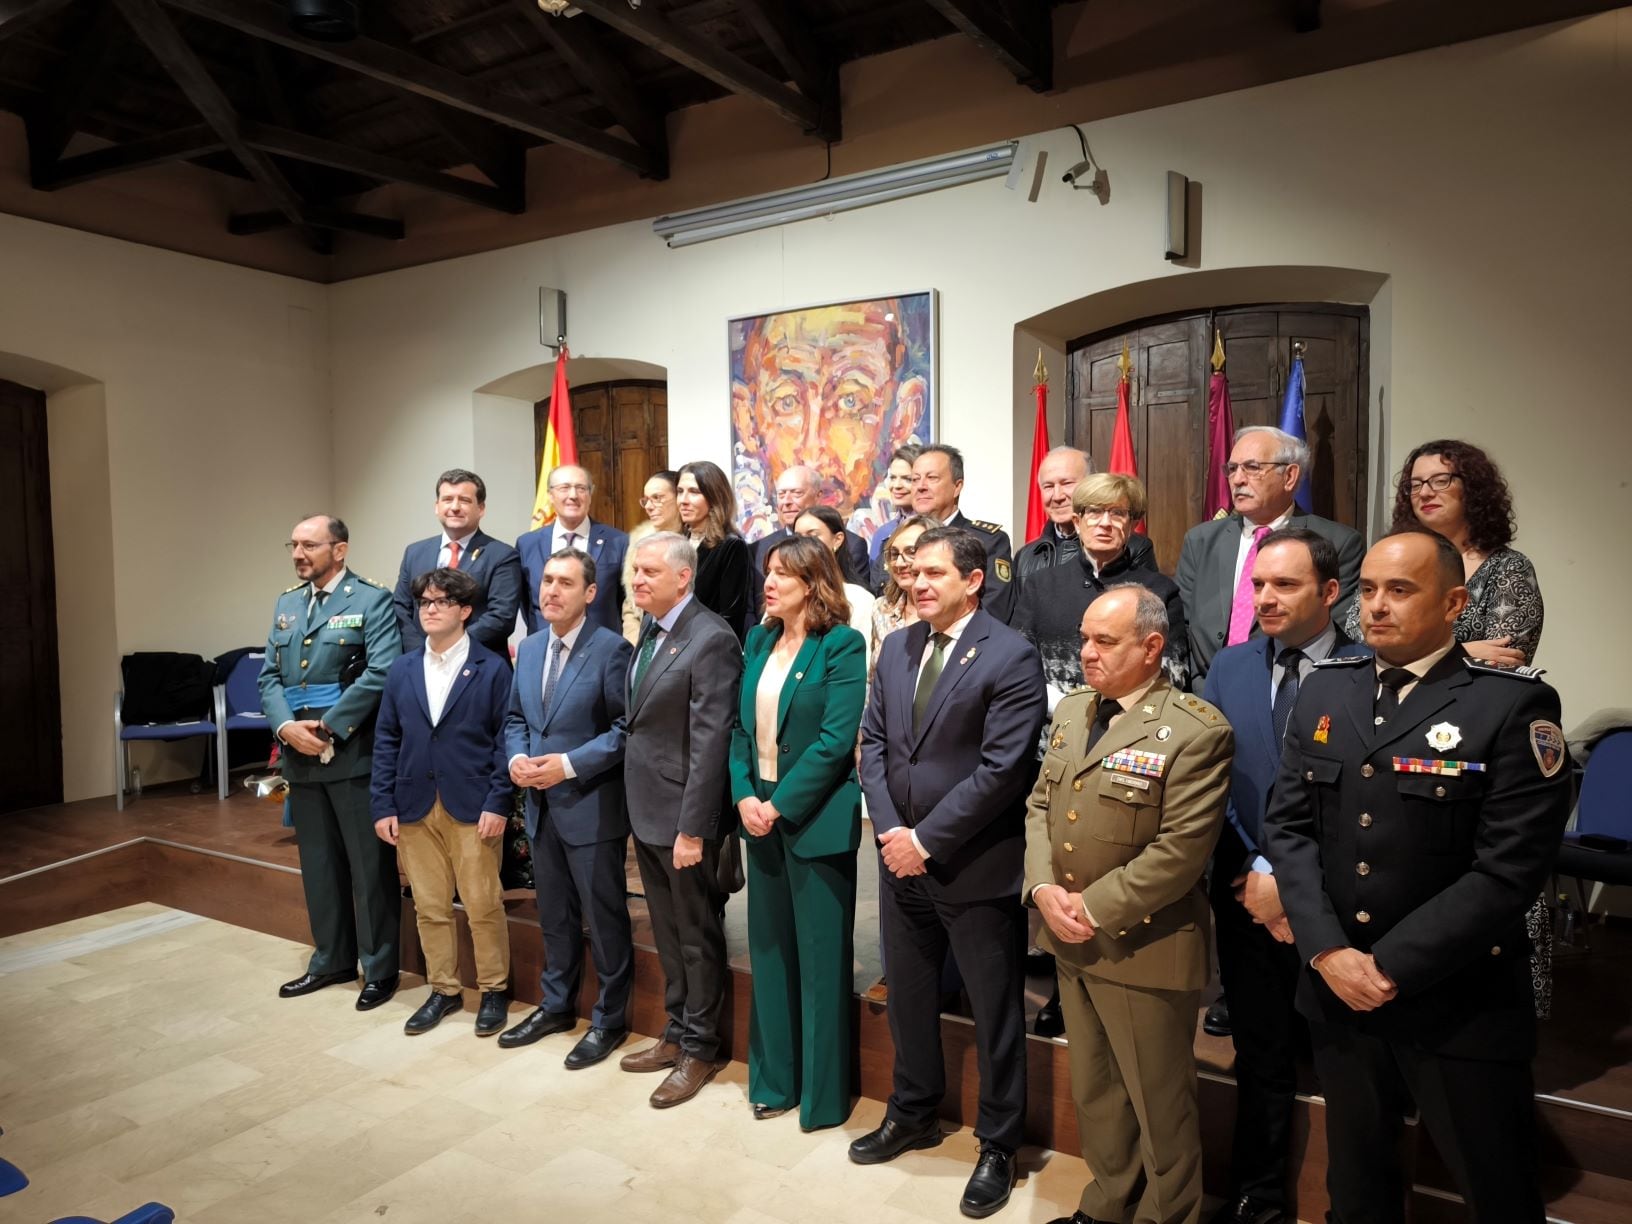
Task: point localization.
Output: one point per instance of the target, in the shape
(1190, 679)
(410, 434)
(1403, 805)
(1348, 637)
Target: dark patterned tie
(554, 673)
(1108, 709)
(927, 677)
(648, 648)
(1390, 682)
(1286, 693)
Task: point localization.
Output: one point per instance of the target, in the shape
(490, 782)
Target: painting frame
(882, 349)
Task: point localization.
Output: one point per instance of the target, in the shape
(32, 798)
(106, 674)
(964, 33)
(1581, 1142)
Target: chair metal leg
(221, 741)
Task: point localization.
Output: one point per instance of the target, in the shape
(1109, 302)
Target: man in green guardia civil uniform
(333, 637)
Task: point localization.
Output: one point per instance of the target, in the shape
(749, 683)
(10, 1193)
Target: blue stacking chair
(206, 725)
(1600, 846)
(147, 1213)
(241, 704)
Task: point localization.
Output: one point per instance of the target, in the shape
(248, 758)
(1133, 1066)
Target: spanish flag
(560, 442)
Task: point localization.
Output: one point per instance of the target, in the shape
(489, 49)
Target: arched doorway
(623, 437)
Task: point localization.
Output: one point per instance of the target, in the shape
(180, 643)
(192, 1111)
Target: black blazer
(961, 781)
(723, 583)
(1451, 862)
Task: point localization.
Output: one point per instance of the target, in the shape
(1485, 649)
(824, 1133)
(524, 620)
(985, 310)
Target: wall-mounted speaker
(1178, 218)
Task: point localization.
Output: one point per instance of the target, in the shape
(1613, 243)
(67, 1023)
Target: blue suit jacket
(585, 721)
(460, 758)
(607, 545)
(961, 780)
(1239, 686)
(492, 563)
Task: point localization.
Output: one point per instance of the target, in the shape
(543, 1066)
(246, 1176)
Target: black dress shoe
(375, 993)
(539, 1024)
(491, 1015)
(1245, 1209)
(990, 1184)
(764, 1113)
(431, 1011)
(593, 1046)
(1050, 1020)
(1077, 1217)
(308, 982)
(1039, 963)
(1216, 1021)
(893, 1138)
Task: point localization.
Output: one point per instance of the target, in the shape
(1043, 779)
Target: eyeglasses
(1438, 482)
(569, 488)
(1252, 467)
(441, 604)
(894, 555)
(655, 499)
(305, 546)
(1114, 514)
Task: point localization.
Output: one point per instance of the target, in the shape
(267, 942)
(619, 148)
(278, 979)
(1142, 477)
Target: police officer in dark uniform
(937, 484)
(333, 638)
(1419, 806)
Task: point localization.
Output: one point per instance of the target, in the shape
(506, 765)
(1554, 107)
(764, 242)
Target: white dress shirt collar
(440, 670)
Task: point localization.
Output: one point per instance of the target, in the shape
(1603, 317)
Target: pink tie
(453, 554)
(1241, 614)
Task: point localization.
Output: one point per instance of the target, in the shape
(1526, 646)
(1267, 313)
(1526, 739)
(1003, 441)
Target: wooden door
(30, 704)
(623, 437)
(1168, 402)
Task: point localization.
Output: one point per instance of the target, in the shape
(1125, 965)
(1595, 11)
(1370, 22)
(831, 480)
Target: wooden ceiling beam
(181, 145)
(320, 218)
(788, 34)
(19, 15)
(709, 60)
(401, 69)
(52, 121)
(1025, 45)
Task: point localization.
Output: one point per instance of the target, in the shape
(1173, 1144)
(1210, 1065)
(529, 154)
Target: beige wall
(198, 432)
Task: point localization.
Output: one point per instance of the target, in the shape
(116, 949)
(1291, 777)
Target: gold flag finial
(1040, 374)
(1218, 350)
(1124, 363)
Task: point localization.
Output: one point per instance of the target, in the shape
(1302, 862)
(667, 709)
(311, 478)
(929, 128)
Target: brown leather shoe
(659, 1057)
(878, 992)
(685, 1081)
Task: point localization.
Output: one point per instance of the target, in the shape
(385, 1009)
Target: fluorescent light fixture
(834, 196)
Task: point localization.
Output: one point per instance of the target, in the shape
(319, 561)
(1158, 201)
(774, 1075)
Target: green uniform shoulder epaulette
(296, 587)
(378, 586)
(1200, 710)
(1533, 674)
(1343, 660)
(993, 528)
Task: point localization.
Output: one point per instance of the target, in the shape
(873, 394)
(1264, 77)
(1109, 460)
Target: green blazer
(818, 718)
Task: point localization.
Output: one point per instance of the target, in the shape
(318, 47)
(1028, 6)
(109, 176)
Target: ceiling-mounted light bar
(833, 196)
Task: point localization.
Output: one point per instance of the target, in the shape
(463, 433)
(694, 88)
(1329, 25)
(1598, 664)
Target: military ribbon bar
(1433, 765)
(1131, 760)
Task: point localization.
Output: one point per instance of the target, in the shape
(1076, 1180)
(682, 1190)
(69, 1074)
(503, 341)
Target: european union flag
(1292, 423)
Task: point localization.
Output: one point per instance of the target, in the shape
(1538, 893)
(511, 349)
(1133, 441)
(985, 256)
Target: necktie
(571, 541)
(1108, 709)
(1241, 615)
(927, 677)
(648, 648)
(1286, 693)
(453, 554)
(553, 673)
(314, 609)
(1390, 681)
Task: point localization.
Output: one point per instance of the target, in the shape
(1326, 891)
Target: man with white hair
(797, 490)
(1215, 562)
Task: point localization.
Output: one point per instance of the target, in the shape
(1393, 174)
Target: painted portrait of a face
(835, 388)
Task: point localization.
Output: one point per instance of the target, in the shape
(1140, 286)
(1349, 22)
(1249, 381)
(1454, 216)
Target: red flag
(1220, 434)
(1123, 459)
(560, 442)
(1036, 515)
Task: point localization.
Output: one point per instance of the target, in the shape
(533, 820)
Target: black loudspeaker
(1178, 216)
(327, 20)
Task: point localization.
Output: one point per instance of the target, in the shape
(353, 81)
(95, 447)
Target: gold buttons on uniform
(1439, 792)
(1071, 816)
(1077, 785)
(1069, 878)
(303, 662)
(1127, 794)
(1068, 847)
(1365, 820)
(1366, 771)
(1496, 951)
(308, 641)
(1308, 775)
(1147, 917)
(1363, 869)
(1362, 916)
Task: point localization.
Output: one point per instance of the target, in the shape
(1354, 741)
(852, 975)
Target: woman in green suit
(793, 779)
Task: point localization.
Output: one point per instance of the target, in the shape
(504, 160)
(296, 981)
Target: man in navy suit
(571, 490)
(564, 740)
(948, 752)
(1295, 583)
(461, 500)
(441, 791)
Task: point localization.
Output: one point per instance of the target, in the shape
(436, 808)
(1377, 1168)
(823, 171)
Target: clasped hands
(306, 736)
(1353, 977)
(540, 772)
(1261, 896)
(900, 854)
(758, 815)
(1064, 912)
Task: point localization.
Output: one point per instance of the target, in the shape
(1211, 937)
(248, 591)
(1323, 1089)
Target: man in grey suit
(564, 738)
(1215, 562)
(682, 705)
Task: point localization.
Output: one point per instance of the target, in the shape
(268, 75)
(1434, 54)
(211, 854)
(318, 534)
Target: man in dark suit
(948, 751)
(937, 487)
(682, 705)
(1416, 815)
(797, 490)
(1215, 561)
(332, 641)
(1255, 684)
(441, 794)
(571, 490)
(564, 741)
(461, 500)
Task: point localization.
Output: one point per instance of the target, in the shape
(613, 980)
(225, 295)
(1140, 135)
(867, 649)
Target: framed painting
(836, 387)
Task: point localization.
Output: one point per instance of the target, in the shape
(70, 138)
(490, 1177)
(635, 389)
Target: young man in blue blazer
(564, 743)
(571, 490)
(1296, 580)
(441, 794)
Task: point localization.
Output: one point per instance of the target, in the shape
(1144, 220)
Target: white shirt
(1250, 529)
(1419, 669)
(564, 643)
(440, 673)
(953, 632)
(767, 701)
(444, 553)
(580, 535)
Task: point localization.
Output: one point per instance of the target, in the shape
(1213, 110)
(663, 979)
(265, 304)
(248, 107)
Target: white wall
(207, 436)
(1481, 185)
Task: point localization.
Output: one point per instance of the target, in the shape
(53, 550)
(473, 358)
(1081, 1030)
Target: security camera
(1071, 175)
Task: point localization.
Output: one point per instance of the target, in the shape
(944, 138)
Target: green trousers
(801, 927)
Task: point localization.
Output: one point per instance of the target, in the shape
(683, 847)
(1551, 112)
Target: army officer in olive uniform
(1119, 829)
(333, 638)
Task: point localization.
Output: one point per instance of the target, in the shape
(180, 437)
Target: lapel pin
(1150, 709)
(474, 553)
(348, 589)
(283, 621)
(798, 675)
(466, 672)
(1323, 729)
(1163, 733)
(674, 650)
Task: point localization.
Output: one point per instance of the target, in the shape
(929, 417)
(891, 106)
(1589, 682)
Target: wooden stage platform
(232, 861)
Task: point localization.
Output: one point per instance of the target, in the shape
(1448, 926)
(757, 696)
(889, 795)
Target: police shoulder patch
(1512, 673)
(1547, 742)
(1342, 660)
(1003, 570)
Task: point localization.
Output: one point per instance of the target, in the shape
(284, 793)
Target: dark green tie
(648, 648)
(927, 678)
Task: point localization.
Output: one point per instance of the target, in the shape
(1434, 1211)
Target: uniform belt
(313, 696)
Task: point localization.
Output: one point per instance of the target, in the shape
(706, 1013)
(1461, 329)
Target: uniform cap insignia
(1442, 737)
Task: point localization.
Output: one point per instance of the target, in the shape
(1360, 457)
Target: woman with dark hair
(708, 514)
(894, 608)
(793, 779)
(823, 524)
(657, 499)
(1453, 488)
